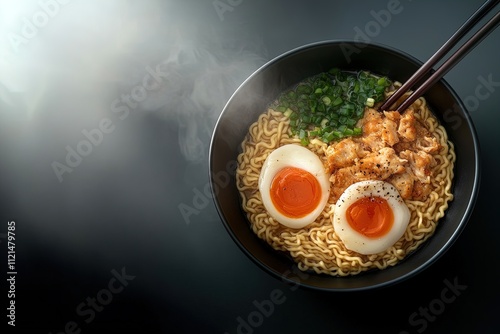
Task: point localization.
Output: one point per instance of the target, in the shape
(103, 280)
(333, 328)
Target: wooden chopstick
(448, 64)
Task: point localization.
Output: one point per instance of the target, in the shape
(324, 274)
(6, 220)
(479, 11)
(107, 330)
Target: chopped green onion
(370, 102)
(304, 89)
(351, 122)
(348, 132)
(329, 105)
(338, 101)
(326, 100)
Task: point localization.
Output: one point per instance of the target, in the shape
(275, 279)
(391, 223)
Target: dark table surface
(106, 113)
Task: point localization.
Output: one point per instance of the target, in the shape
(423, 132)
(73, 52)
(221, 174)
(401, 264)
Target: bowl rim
(427, 263)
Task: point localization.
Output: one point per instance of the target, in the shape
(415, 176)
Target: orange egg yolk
(295, 192)
(370, 216)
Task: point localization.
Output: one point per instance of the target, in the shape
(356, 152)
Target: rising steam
(88, 53)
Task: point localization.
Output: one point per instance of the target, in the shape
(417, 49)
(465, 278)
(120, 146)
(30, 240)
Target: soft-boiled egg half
(294, 185)
(370, 216)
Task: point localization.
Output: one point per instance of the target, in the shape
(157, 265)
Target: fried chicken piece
(381, 164)
(420, 164)
(406, 128)
(403, 183)
(343, 154)
(376, 127)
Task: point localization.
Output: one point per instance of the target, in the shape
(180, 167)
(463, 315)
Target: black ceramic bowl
(263, 86)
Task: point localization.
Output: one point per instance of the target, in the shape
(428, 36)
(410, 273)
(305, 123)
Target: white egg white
(358, 242)
(293, 155)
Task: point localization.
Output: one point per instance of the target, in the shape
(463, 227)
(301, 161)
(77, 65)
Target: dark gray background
(119, 208)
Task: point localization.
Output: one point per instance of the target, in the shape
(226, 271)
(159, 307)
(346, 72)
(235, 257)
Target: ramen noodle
(316, 247)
